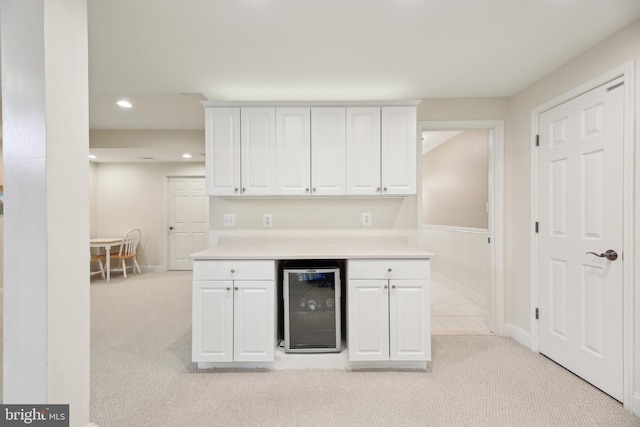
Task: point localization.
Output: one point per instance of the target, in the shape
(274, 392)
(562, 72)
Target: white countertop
(311, 251)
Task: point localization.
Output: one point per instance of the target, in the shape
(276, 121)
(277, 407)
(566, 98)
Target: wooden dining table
(107, 243)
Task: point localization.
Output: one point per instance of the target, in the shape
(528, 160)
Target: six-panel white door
(188, 220)
(258, 151)
(580, 211)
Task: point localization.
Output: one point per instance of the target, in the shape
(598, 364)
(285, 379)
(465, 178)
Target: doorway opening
(461, 202)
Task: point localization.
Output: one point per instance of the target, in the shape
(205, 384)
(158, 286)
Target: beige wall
(611, 53)
(133, 195)
(455, 186)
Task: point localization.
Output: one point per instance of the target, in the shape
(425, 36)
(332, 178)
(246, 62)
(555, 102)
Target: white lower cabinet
(388, 310)
(233, 311)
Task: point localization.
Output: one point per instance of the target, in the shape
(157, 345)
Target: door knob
(170, 228)
(610, 254)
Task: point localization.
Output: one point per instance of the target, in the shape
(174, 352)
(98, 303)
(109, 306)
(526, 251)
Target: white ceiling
(166, 56)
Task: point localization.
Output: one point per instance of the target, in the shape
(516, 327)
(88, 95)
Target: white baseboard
(635, 404)
(462, 290)
(153, 268)
(518, 334)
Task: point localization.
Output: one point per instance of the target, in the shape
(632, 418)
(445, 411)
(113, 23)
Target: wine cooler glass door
(312, 322)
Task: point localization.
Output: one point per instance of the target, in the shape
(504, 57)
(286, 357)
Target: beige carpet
(141, 375)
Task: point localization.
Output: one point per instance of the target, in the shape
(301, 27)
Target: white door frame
(165, 212)
(627, 71)
(496, 207)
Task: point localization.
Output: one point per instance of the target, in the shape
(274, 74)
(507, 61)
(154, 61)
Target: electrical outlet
(267, 220)
(366, 219)
(229, 220)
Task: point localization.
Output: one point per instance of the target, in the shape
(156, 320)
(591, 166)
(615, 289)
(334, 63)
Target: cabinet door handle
(306, 190)
(244, 189)
(378, 190)
(233, 270)
(389, 270)
(235, 189)
(228, 288)
(384, 189)
(236, 288)
(386, 286)
(393, 286)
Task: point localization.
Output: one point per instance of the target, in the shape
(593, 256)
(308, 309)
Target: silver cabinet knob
(233, 270)
(228, 288)
(386, 286)
(235, 189)
(236, 288)
(389, 270)
(378, 190)
(393, 286)
(384, 189)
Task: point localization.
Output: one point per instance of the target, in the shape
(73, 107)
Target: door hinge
(538, 140)
(537, 313)
(537, 227)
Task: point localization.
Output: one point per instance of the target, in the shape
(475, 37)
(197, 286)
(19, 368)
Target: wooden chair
(128, 250)
(97, 258)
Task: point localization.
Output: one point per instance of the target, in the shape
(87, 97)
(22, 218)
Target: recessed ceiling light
(186, 156)
(124, 103)
(92, 156)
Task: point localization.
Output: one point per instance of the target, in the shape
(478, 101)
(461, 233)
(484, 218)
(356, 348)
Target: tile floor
(453, 313)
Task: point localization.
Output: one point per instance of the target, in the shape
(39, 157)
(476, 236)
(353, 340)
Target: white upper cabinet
(310, 151)
(399, 150)
(293, 146)
(363, 151)
(328, 152)
(222, 155)
(294, 150)
(258, 151)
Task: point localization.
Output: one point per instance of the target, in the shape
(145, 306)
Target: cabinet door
(368, 320)
(363, 151)
(399, 150)
(212, 339)
(223, 151)
(254, 321)
(258, 151)
(328, 151)
(409, 321)
(293, 145)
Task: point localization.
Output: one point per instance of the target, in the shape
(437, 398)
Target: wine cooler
(312, 310)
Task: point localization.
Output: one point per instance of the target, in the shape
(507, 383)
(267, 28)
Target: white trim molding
(517, 333)
(496, 206)
(631, 308)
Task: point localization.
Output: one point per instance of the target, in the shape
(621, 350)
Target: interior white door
(580, 211)
(188, 220)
